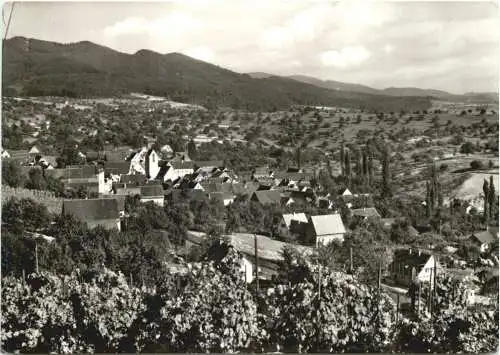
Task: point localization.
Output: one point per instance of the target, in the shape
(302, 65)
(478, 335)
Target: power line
(8, 23)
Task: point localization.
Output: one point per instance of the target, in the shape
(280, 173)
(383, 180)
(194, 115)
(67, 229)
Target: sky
(451, 46)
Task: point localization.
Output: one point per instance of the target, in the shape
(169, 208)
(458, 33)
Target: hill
(84, 69)
(336, 85)
(472, 97)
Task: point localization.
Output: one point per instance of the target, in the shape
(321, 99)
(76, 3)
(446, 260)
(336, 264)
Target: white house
(5, 154)
(327, 228)
(178, 169)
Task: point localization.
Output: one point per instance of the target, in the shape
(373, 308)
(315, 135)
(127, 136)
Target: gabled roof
(484, 237)
(365, 212)
(151, 190)
(328, 224)
(266, 197)
(34, 150)
(92, 209)
(301, 217)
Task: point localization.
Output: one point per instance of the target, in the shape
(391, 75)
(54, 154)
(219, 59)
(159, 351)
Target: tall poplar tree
(491, 197)
(342, 163)
(486, 198)
(386, 174)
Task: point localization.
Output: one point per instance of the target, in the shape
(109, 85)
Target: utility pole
(379, 275)
(434, 288)
(350, 257)
(430, 292)
(256, 264)
(36, 256)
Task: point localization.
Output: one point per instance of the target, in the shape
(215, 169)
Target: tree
(191, 150)
(11, 173)
(386, 174)
(486, 193)
(476, 164)
(342, 153)
(491, 198)
(467, 148)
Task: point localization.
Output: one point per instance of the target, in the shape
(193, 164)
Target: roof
(411, 258)
(151, 190)
(209, 163)
(292, 176)
(267, 196)
(80, 171)
(301, 217)
(366, 212)
(328, 224)
(34, 150)
(133, 179)
(92, 209)
(268, 249)
(117, 167)
(119, 198)
(485, 237)
(178, 165)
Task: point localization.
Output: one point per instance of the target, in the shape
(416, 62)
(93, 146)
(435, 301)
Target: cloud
(388, 49)
(174, 23)
(347, 40)
(347, 57)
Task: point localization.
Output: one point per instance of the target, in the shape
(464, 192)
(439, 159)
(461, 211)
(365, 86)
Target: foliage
(11, 173)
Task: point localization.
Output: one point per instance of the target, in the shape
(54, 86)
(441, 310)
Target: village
(309, 210)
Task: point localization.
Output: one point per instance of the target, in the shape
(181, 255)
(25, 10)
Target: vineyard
(211, 309)
(46, 198)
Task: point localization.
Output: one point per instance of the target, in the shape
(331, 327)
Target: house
(177, 169)
(266, 197)
(153, 193)
(270, 252)
(5, 154)
(48, 162)
(125, 190)
(211, 164)
(326, 229)
(290, 221)
(408, 265)
(262, 171)
(166, 151)
(224, 197)
(145, 162)
(297, 198)
(116, 167)
(94, 212)
(21, 156)
(484, 239)
(120, 200)
(346, 192)
(365, 213)
(34, 151)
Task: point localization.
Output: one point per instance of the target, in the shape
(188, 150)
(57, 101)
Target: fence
(46, 198)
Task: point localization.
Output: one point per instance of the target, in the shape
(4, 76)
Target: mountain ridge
(85, 69)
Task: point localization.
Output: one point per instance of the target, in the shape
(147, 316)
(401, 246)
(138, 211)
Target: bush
(476, 164)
